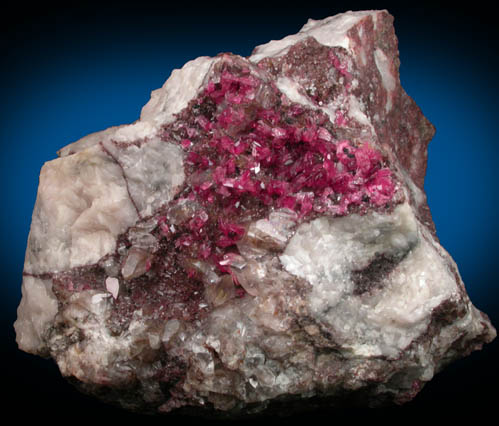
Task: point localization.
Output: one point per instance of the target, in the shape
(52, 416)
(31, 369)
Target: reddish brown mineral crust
(403, 131)
(249, 150)
(233, 294)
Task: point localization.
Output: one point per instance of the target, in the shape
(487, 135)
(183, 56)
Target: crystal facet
(259, 236)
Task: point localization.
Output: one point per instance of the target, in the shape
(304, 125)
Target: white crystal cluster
(325, 252)
(304, 328)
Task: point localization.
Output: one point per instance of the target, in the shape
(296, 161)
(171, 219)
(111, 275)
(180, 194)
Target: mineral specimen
(259, 237)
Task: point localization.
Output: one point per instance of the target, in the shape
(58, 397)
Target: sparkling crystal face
(249, 151)
(259, 235)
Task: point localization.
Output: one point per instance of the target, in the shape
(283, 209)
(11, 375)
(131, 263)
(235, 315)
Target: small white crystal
(113, 286)
(162, 262)
(170, 329)
(135, 264)
(99, 297)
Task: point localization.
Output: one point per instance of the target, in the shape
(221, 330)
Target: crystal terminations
(259, 237)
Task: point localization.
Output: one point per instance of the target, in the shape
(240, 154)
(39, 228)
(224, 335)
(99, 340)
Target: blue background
(70, 71)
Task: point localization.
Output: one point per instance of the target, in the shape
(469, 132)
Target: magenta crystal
(258, 241)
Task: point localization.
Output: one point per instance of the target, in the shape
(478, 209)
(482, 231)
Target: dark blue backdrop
(67, 72)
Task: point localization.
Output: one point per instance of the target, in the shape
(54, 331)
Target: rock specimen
(260, 236)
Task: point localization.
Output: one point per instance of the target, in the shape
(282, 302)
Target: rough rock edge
(147, 126)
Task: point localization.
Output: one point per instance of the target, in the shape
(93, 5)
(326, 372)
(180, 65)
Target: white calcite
(384, 66)
(311, 300)
(325, 252)
(153, 172)
(113, 286)
(178, 90)
(331, 31)
(36, 313)
(183, 85)
(82, 206)
(96, 190)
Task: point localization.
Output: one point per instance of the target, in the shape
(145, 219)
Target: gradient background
(70, 71)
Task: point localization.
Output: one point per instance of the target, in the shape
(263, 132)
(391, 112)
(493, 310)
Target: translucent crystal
(258, 239)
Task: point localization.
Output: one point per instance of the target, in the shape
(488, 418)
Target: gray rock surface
(258, 240)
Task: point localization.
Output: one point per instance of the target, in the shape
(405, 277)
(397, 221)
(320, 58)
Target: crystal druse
(260, 236)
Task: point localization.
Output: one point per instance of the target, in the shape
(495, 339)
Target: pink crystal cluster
(249, 149)
(257, 242)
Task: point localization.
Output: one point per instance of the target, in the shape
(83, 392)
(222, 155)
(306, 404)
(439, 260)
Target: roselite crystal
(257, 242)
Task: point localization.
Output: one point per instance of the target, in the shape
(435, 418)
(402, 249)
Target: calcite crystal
(258, 240)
